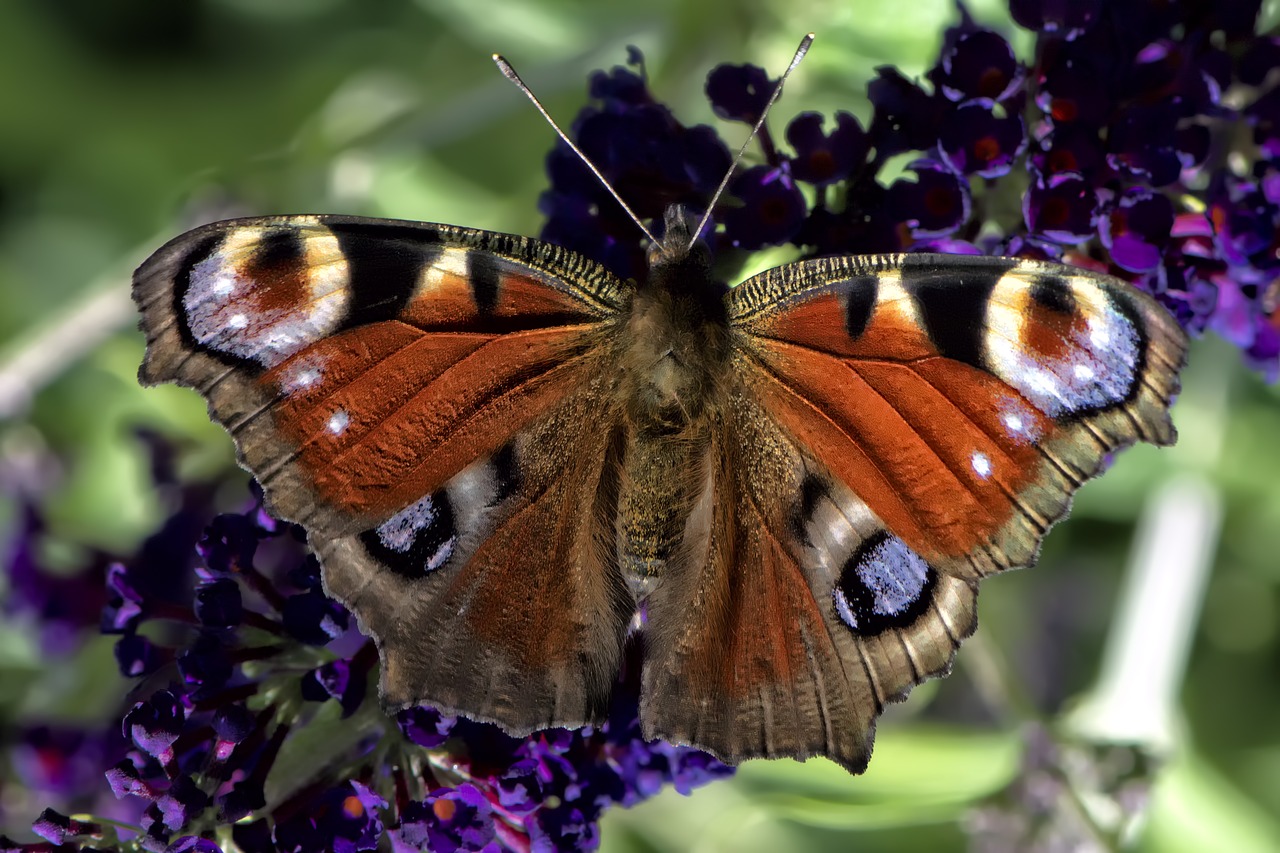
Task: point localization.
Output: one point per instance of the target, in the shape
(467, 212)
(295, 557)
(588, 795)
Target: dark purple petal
(771, 212)
(344, 819)
(124, 780)
(181, 803)
(1075, 93)
(314, 618)
(233, 722)
(520, 789)
(339, 680)
(933, 205)
(228, 544)
(458, 819)
(1136, 228)
(123, 609)
(820, 158)
(306, 575)
(1060, 208)
(866, 227)
(154, 724)
(218, 605)
(205, 666)
(1070, 148)
(1141, 144)
(137, 656)
(425, 726)
(193, 844)
(977, 141)
(739, 92)
(618, 88)
(977, 64)
(61, 829)
(1063, 17)
(906, 118)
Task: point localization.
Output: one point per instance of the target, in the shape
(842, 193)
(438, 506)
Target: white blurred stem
(1135, 699)
(42, 356)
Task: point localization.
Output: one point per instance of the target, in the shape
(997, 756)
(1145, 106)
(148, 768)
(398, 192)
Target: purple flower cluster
(1143, 140)
(250, 665)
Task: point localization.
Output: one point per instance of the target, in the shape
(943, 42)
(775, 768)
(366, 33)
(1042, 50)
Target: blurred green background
(124, 123)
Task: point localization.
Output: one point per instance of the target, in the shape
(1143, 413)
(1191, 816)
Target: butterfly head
(677, 245)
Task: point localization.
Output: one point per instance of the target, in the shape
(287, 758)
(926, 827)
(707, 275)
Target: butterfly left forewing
(432, 404)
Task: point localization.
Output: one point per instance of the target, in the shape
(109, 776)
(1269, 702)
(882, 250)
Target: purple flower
(154, 724)
(217, 603)
(1060, 208)
(935, 204)
(739, 92)
(771, 212)
(1135, 228)
(906, 117)
(977, 64)
(821, 158)
(458, 819)
(425, 726)
(975, 140)
(647, 155)
(344, 680)
(61, 829)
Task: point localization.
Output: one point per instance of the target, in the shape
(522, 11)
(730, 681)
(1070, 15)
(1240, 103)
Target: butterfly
(503, 453)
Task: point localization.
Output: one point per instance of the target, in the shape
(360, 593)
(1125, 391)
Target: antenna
(777, 90)
(510, 74)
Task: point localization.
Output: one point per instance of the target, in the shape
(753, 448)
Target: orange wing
(897, 428)
(418, 396)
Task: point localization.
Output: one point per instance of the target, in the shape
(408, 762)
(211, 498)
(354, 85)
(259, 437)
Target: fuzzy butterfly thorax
(675, 337)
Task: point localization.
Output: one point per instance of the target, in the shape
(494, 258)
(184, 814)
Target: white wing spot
(981, 465)
(1099, 333)
(1084, 372)
(224, 286)
(238, 321)
(338, 422)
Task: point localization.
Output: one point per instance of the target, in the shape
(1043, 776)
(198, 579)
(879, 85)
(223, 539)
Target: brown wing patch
(416, 415)
(500, 599)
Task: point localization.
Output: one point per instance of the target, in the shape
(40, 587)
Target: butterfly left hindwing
(500, 451)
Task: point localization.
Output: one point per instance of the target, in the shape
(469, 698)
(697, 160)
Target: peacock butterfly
(502, 453)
